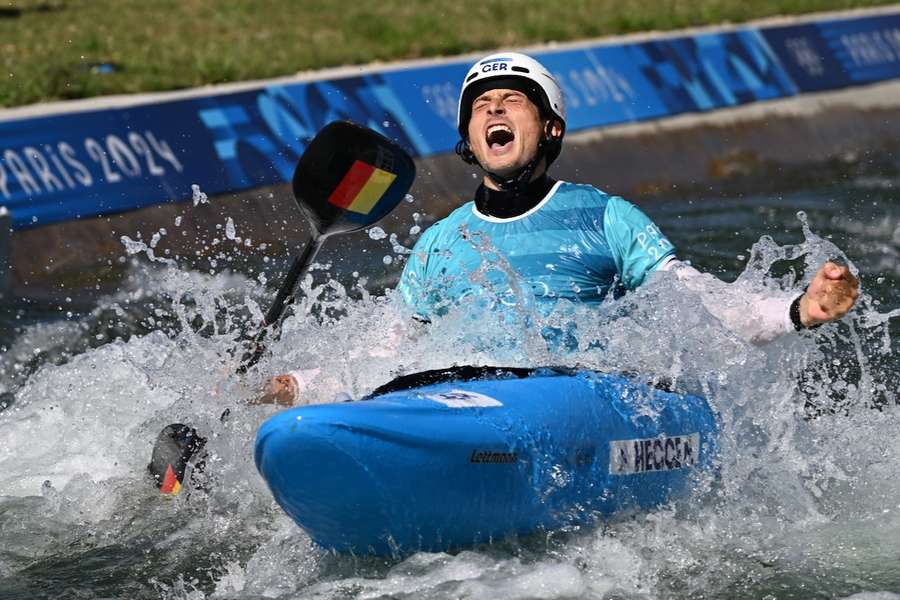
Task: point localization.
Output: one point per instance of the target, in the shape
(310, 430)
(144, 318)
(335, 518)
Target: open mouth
(499, 136)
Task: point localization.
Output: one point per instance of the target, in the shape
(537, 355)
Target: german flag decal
(361, 188)
(170, 483)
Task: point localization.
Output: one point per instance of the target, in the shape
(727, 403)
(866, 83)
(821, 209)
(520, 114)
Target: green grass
(48, 48)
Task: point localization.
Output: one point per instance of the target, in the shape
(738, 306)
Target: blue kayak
(441, 460)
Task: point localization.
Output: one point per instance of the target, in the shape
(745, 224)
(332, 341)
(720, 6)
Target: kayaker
(561, 240)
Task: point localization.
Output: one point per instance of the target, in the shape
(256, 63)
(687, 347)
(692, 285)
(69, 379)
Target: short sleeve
(637, 244)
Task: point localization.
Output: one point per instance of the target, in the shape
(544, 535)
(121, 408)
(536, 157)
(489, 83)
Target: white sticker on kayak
(663, 453)
(464, 399)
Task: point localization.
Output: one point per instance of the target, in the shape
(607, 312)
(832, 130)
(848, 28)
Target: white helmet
(508, 65)
(516, 71)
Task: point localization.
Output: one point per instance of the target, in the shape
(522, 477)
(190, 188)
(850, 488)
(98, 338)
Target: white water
(804, 505)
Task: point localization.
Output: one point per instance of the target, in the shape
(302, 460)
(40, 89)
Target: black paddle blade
(349, 177)
(175, 446)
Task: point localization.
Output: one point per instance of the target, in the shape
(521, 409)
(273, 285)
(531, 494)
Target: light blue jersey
(577, 244)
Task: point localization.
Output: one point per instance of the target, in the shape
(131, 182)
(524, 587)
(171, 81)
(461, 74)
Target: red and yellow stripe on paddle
(170, 483)
(361, 188)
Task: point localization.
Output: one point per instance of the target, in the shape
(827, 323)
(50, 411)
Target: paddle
(347, 179)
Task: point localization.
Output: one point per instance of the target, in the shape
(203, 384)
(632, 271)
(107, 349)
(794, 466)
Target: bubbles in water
(387, 260)
(229, 228)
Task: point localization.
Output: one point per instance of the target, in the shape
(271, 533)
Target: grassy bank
(60, 49)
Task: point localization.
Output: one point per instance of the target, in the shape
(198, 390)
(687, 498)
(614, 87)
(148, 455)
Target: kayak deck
(463, 462)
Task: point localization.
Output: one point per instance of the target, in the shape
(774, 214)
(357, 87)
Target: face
(504, 131)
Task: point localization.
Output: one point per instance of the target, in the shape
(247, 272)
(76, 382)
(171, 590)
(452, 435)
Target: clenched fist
(283, 390)
(830, 296)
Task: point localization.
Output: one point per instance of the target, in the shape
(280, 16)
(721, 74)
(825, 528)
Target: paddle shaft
(283, 298)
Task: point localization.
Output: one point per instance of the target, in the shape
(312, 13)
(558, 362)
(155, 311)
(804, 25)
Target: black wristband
(794, 312)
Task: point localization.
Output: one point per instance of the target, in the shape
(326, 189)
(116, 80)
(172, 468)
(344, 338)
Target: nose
(496, 107)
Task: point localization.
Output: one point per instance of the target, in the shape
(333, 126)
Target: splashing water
(230, 230)
(138, 246)
(376, 233)
(806, 499)
(197, 196)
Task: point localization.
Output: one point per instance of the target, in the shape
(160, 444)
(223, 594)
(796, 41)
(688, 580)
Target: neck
(507, 204)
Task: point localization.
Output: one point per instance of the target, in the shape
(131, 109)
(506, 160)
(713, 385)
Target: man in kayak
(561, 240)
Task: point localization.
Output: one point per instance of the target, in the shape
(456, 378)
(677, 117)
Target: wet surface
(806, 504)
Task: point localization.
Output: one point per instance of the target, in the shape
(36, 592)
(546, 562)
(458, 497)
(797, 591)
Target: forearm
(757, 317)
(312, 386)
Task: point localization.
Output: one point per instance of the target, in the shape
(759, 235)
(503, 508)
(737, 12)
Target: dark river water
(807, 504)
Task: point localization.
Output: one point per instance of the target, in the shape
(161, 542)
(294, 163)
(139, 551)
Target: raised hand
(830, 296)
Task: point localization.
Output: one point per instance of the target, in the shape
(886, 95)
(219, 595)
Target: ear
(553, 128)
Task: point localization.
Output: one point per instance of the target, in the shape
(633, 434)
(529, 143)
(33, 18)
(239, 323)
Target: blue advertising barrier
(828, 55)
(86, 164)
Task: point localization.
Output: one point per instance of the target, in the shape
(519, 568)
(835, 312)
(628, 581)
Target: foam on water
(807, 501)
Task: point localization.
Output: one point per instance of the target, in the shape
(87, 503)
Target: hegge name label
(630, 457)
